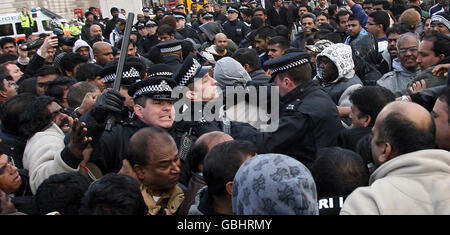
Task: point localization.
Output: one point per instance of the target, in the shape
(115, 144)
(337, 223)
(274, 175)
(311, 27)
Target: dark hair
(70, 60)
(266, 32)
(5, 40)
(304, 5)
(248, 56)
(256, 23)
(353, 17)
(88, 72)
(403, 134)
(368, 2)
(36, 116)
(165, 29)
(223, 161)
(342, 13)
(298, 74)
(113, 9)
(381, 17)
(114, 194)
(121, 21)
(398, 29)
(338, 171)
(322, 13)
(441, 43)
(370, 100)
(4, 77)
(142, 144)
(76, 93)
(259, 9)
(12, 111)
(7, 58)
(331, 9)
(47, 70)
(56, 87)
(386, 4)
(88, 14)
(61, 192)
(28, 86)
(119, 43)
(282, 30)
(282, 41)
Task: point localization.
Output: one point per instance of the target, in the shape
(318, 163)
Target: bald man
(102, 53)
(191, 170)
(219, 49)
(153, 156)
(411, 176)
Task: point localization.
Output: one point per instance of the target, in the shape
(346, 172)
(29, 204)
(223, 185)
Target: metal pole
(119, 72)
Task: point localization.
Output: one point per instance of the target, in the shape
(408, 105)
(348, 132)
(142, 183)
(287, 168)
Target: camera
(58, 33)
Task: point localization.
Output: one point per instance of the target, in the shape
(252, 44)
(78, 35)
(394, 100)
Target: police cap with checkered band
(169, 46)
(190, 71)
(158, 70)
(131, 72)
(286, 62)
(157, 88)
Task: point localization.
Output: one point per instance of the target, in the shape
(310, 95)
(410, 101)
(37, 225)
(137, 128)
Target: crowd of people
(352, 115)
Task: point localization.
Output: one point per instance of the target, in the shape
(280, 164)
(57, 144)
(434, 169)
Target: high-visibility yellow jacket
(26, 20)
(66, 29)
(75, 30)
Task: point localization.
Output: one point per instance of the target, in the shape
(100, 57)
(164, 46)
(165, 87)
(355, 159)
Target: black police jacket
(308, 121)
(235, 30)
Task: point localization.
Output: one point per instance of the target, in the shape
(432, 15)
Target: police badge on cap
(157, 88)
(286, 62)
(131, 72)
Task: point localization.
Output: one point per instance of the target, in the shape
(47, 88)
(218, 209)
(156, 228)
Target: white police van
(10, 25)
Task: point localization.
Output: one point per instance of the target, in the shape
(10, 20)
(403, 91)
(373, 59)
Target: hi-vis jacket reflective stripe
(26, 20)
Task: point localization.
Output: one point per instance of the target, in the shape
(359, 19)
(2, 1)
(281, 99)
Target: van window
(20, 30)
(46, 24)
(6, 30)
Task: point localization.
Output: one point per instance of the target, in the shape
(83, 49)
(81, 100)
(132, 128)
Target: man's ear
(386, 154)
(138, 110)
(191, 95)
(3, 94)
(229, 188)
(139, 170)
(367, 120)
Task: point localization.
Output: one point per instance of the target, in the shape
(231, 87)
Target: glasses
(411, 49)
(8, 166)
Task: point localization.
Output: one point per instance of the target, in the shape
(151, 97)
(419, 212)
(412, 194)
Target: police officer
(308, 118)
(234, 28)
(199, 89)
(153, 106)
(27, 22)
(185, 30)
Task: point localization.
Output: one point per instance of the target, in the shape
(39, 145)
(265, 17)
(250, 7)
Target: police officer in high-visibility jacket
(27, 22)
(75, 28)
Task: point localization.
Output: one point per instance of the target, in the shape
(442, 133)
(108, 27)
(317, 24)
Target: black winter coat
(308, 121)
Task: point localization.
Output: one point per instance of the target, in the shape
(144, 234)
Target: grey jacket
(397, 80)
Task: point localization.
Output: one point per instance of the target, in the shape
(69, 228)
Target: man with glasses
(405, 66)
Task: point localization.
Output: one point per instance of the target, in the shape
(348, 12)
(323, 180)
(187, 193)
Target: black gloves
(108, 102)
